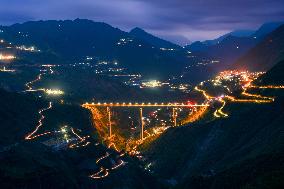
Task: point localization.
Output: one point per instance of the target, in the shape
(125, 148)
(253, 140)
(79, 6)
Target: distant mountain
(71, 41)
(151, 39)
(260, 32)
(200, 46)
(226, 50)
(267, 28)
(266, 54)
(236, 33)
(229, 47)
(176, 39)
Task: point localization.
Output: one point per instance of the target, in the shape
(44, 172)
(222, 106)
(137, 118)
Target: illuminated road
(30, 88)
(81, 140)
(33, 134)
(267, 87)
(218, 112)
(245, 80)
(104, 172)
(29, 84)
(70, 136)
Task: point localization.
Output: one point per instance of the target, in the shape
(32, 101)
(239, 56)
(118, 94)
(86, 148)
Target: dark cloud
(194, 19)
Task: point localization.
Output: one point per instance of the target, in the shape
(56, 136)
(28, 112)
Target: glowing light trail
(82, 140)
(42, 117)
(103, 157)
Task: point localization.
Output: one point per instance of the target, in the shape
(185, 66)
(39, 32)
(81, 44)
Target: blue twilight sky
(171, 19)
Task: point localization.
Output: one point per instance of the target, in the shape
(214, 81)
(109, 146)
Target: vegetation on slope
(199, 155)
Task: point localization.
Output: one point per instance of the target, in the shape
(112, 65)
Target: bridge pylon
(142, 123)
(109, 121)
(174, 115)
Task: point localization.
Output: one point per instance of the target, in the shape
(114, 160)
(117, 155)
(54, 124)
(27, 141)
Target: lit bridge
(141, 106)
(177, 105)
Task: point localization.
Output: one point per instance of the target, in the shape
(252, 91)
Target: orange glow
(7, 57)
(42, 117)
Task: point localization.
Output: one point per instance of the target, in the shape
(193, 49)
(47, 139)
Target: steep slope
(47, 161)
(229, 47)
(275, 76)
(226, 50)
(14, 110)
(267, 28)
(242, 151)
(151, 39)
(266, 54)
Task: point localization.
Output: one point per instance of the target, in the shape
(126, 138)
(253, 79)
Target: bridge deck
(143, 105)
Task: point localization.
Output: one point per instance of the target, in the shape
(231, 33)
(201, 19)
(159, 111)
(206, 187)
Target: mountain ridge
(265, 55)
(151, 39)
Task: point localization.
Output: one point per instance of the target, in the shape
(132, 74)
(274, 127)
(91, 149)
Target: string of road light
(236, 78)
(29, 85)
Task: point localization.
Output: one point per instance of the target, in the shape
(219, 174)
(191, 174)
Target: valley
(94, 119)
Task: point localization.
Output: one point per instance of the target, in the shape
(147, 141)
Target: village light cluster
(152, 84)
(54, 92)
(6, 70)
(30, 49)
(7, 57)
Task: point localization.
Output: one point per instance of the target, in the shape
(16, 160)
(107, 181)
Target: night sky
(171, 19)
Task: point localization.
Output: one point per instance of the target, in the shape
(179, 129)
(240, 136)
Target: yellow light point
(103, 157)
(152, 84)
(233, 99)
(220, 110)
(63, 130)
(97, 175)
(118, 165)
(268, 87)
(54, 92)
(82, 140)
(7, 57)
(216, 114)
(6, 70)
(204, 93)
